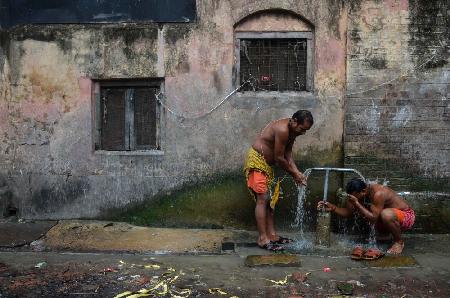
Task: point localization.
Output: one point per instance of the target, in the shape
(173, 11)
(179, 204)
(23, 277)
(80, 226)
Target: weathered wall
(399, 130)
(397, 109)
(46, 150)
(5, 94)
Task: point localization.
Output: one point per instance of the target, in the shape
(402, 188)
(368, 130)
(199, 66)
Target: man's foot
(271, 246)
(283, 240)
(396, 248)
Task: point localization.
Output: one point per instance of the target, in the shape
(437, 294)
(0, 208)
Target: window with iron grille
(128, 115)
(275, 61)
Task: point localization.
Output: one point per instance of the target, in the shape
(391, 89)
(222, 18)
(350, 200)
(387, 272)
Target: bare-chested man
(273, 146)
(388, 211)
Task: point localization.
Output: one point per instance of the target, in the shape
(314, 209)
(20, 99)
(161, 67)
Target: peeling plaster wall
(402, 46)
(397, 120)
(46, 147)
(395, 127)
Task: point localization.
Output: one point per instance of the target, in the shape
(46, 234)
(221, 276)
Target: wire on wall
(160, 97)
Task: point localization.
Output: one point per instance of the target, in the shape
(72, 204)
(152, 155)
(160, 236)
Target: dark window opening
(274, 64)
(129, 117)
(18, 12)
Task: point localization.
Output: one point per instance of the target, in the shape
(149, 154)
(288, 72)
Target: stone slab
(392, 261)
(13, 234)
(73, 235)
(280, 260)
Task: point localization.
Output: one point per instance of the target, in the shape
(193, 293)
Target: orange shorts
(257, 182)
(406, 218)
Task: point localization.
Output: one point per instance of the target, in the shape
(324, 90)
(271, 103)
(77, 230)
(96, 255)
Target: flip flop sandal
(283, 240)
(357, 253)
(271, 246)
(373, 254)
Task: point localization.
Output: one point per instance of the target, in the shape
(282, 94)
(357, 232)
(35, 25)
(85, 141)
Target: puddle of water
(340, 244)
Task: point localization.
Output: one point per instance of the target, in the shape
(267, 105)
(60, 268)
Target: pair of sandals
(359, 253)
(276, 245)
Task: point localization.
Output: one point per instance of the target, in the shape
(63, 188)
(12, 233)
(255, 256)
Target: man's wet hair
(301, 115)
(355, 185)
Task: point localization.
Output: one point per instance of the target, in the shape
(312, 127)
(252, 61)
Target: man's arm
(281, 155)
(347, 211)
(373, 214)
(288, 155)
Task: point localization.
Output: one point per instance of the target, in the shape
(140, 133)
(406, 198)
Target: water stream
(300, 213)
(305, 241)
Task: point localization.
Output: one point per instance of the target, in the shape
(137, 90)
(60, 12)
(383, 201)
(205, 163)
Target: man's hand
(352, 199)
(299, 179)
(328, 206)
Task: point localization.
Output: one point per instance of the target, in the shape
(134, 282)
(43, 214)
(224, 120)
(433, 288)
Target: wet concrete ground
(106, 275)
(192, 274)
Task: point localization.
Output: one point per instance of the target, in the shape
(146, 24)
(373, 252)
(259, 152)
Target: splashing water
(300, 213)
(372, 237)
(300, 210)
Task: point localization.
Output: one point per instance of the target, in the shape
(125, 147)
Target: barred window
(127, 115)
(275, 64)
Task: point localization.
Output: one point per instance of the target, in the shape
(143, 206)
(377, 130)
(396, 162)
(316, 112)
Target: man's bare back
(391, 198)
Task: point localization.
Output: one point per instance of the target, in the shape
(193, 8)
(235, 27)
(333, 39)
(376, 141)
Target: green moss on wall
(213, 203)
(314, 157)
(130, 33)
(223, 200)
(175, 32)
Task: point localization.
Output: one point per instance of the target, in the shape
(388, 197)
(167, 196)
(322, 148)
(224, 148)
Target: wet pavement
(15, 234)
(41, 271)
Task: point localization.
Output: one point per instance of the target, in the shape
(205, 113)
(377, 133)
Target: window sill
(131, 153)
(274, 99)
(275, 94)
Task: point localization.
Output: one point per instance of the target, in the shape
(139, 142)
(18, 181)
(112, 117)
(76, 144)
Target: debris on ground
(299, 277)
(217, 290)
(345, 288)
(40, 265)
(152, 266)
(356, 283)
(279, 282)
(109, 269)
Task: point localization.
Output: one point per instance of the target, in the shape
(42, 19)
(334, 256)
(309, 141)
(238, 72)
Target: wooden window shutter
(145, 118)
(113, 118)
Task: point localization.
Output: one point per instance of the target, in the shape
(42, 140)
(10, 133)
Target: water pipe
(327, 174)
(323, 219)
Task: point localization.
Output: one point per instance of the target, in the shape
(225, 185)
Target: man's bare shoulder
(384, 192)
(280, 126)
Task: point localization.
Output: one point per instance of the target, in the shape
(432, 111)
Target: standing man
(388, 211)
(273, 146)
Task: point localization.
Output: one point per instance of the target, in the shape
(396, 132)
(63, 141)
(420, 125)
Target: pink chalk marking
(396, 6)
(332, 57)
(85, 85)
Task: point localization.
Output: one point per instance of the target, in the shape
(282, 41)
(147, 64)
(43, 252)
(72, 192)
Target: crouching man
(388, 211)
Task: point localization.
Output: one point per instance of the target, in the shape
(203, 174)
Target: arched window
(274, 52)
